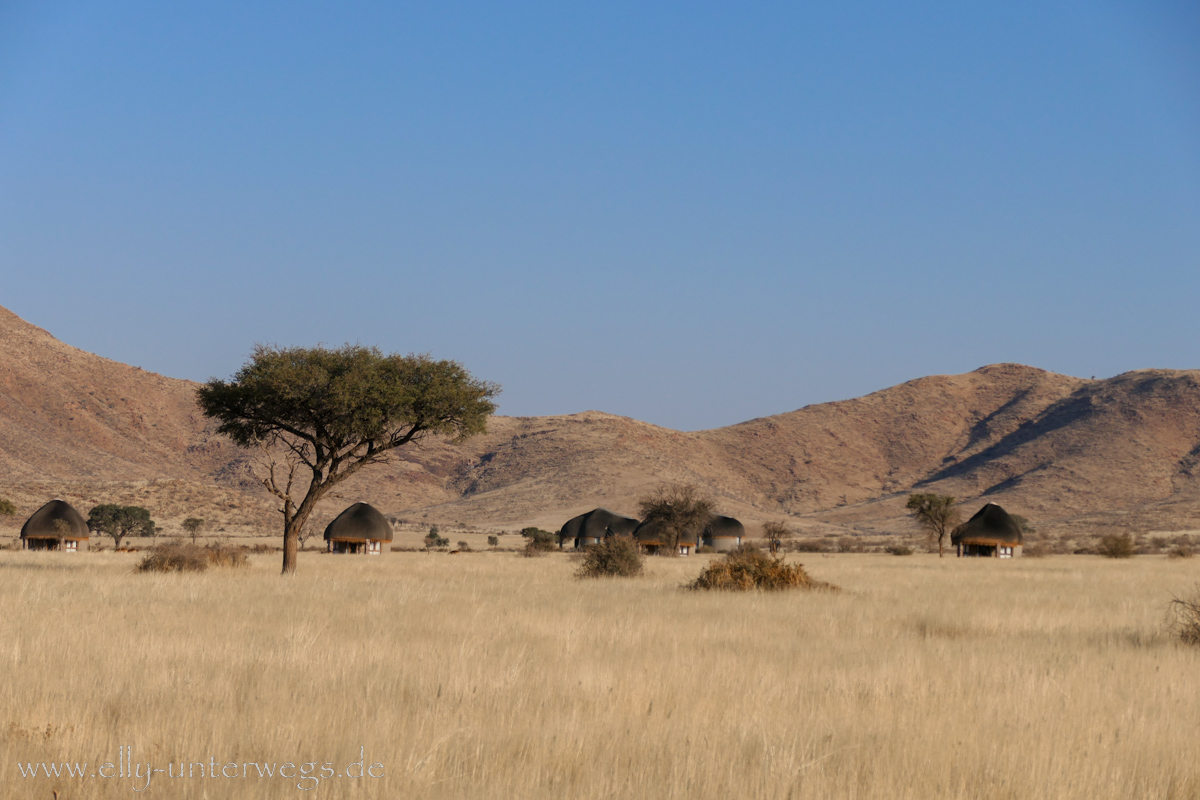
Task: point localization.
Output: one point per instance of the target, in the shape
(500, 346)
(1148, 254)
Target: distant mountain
(1065, 451)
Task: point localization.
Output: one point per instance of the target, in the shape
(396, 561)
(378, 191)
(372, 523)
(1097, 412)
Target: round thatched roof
(990, 525)
(596, 524)
(358, 523)
(724, 528)
(41, 524)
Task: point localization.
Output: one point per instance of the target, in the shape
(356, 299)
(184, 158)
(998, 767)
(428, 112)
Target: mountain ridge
(1068, 451)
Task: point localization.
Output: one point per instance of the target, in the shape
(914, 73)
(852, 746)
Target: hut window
(71, 545)
(373, 547)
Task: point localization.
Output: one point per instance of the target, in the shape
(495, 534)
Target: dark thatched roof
(358, 523)
(41, 524)
(724, 528)
(596, 524)
(990, 525)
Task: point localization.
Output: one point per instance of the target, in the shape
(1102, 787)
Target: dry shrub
(1185, 618)
(224, 555)
(1180, 551)
(614, 556)
(192, 558)
(1116, 545)
(174, 558)
(750, 568)
(900, 550)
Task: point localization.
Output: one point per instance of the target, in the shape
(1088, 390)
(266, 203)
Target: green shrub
(539, 539)
(614, 556)
(493, 541)
(750, 568)
(1116, 545)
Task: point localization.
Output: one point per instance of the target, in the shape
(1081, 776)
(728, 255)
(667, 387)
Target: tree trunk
(941, 545)
(291, 548)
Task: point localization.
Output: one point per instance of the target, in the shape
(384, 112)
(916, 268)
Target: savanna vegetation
(500, 676)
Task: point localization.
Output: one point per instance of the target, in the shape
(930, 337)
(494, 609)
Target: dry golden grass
(494, 676)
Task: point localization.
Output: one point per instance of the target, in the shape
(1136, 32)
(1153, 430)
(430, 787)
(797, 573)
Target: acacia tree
(120, 521)
(935, 514)
(680, 509)
(320, 415)
(193, 525)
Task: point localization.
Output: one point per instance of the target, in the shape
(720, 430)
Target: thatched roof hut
(593, 527)
(358, 529)
(723, 533)
(991, 532)
(55, 526)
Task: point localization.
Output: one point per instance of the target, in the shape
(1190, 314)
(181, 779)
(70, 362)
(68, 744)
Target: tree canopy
(120, 521)
(327, 413)
(935, 514)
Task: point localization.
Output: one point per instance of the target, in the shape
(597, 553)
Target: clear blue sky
(689, 213)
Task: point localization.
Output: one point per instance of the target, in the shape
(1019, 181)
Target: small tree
(936, 514)
(7, 509)
(493, 541)
(319, 416)
(774, 533)
(193, 525)
(680, 510)
(538, 539)
(120, 521)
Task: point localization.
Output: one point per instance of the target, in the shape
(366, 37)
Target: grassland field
(489, 675)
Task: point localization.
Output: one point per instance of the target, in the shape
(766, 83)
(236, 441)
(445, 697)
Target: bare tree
(935, 514)
(681, 511)
(775, 533)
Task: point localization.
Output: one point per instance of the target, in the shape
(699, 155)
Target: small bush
(750, 568)
(1180, 551)
(810, 546)
(1185, 618)
(192, 558)
(175, 558)
(464, 545)
(224, 555)
(900, 550)
(615, 556)
(493, 541)
(531, 550)
(1116, 545)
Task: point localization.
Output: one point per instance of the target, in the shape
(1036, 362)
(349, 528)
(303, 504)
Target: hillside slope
(1110, 452)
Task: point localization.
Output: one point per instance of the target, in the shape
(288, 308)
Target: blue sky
(688, 213)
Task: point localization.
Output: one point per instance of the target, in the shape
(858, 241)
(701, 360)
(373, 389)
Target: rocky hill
(1069, 453)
